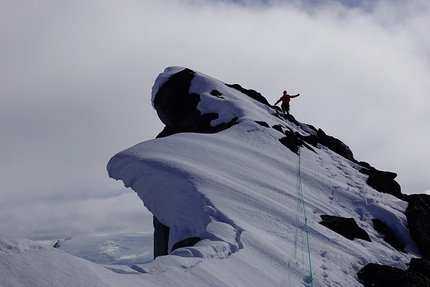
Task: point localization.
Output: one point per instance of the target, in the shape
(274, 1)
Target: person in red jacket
(286, 102)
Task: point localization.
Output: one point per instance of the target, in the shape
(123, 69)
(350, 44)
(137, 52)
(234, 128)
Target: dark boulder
(167, 131)
(292, 119)
(174, 105)
(291, 141)
(418, 215)
(375, 275)
(347, 227)
(335, 145)
(278, 128)
(177, 108)
(389, 235)
(264, 124)
(383, 181)
(420, 265)
(312, 127)
(250, 93)
(217, 94)
(310, 139)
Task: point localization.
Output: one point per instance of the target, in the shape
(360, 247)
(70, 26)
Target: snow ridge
(223, 183)
(237, 191)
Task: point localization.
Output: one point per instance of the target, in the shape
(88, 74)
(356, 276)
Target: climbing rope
(299, 180)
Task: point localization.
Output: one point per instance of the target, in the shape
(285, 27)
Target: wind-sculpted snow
(238, 190)
(238, 194)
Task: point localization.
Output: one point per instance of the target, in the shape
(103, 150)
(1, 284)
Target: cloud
(77, 78)
(47, 219)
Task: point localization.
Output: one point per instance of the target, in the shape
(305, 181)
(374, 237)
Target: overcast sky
(76, 79)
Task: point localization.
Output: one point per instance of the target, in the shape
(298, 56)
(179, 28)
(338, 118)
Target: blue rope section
(299, 178)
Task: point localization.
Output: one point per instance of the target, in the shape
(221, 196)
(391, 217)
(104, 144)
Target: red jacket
(286, 98)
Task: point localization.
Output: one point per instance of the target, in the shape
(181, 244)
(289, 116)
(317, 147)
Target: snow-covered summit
(237, 190)
(242, 197)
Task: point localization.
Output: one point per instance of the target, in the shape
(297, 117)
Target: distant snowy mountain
(243, 197)
(110, 249)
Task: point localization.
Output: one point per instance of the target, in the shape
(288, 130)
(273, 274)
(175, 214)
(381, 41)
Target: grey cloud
(78, 77)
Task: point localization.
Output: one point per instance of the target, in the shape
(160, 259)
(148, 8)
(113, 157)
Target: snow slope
(26, 263)
(246, 195)
(239, 191)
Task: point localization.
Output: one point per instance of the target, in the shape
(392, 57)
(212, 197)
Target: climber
(286, 102)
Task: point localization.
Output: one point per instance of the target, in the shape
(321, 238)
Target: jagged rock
(217, 94)
(420, 265)
(418, 214)
(57, 244)
(167, 131)
(174, 105)
(364, 164)
(292, 119)
(312, 127)
(278, 128)
(291, 141)
(250, 93)
(389, 235)
(177, 108)
(383, 181)
(264, 124)
(310, 139)
(161, 238)
(186, 242)
(335, 145)
(347, 227)
(375, 275)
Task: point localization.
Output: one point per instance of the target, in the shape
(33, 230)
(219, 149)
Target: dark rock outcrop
(335, 145)
(383, 181)
(278, 128)
(375, 275)
(217, 94)
(174, 105)
(57, 244)
(291, 141)
(389, 235)
(161, 238)
(347, 227)
(418, 215)
(177, 108)
(250, 93)
(264, 124)
(420, 265)
(310, 139)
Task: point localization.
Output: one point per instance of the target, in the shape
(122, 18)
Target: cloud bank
(77, 78)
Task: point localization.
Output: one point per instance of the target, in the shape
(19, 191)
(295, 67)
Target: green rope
(299, 178)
